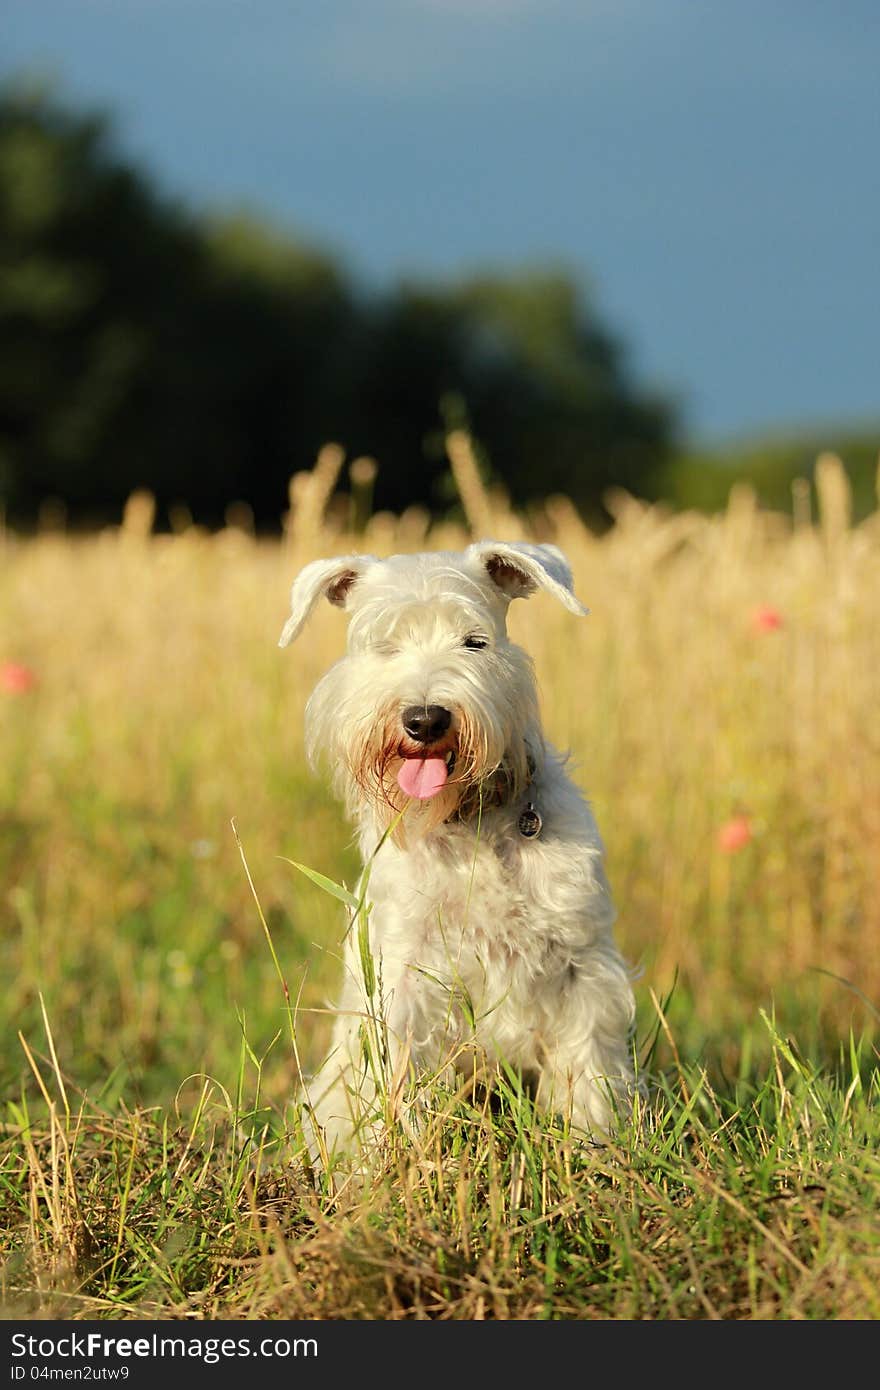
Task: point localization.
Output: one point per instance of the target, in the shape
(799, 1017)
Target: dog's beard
(472, 758)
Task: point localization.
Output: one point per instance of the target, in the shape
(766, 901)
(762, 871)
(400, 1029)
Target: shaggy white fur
(489, 934)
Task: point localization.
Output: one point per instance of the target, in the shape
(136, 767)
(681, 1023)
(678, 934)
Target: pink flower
(734, 834)
(766, 618)
(16, 679)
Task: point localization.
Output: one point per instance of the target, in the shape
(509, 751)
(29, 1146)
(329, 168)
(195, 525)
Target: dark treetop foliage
(141, 346)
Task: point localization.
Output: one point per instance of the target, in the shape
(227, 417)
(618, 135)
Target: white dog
(489, 935)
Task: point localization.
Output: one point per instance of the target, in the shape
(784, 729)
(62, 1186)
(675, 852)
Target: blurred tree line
(775, 465)
(142, 345)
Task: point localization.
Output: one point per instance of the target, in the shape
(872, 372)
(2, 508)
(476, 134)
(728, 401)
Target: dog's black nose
(426, 723)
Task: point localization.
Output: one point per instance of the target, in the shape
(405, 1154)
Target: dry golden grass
(720, 704)
(163, 709)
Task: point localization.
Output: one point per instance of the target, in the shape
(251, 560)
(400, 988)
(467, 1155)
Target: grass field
(721, 708)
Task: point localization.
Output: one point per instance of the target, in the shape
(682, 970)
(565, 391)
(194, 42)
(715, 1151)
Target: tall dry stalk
(465, 470)
(309, 495)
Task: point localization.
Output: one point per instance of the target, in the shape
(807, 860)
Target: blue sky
(708, 168)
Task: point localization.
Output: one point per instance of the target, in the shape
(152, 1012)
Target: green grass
(758, 1201)
(751, 1198)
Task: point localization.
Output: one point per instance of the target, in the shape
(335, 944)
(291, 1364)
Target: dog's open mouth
(423, 775)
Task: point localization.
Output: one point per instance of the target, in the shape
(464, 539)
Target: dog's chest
(471, 904)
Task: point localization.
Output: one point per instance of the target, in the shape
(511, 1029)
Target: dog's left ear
(330, 579)
(518, 569)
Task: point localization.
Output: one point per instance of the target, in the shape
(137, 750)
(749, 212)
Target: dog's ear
(518, 569)
(330, 579)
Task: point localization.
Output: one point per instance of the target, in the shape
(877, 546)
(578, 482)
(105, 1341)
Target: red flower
(766, 618)
(734, 834)
(16, 679)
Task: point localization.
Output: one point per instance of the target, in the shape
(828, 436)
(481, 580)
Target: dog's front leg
(587, 1077)
(356, 1090)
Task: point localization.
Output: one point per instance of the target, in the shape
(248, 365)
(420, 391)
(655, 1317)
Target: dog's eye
(475, 643)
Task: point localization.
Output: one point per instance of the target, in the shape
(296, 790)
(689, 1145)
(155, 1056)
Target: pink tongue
(422, 777)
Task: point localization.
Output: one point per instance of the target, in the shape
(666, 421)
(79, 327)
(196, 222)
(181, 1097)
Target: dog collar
(494, 792)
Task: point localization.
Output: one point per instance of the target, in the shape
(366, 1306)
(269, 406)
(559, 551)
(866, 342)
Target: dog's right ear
(330, 579)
